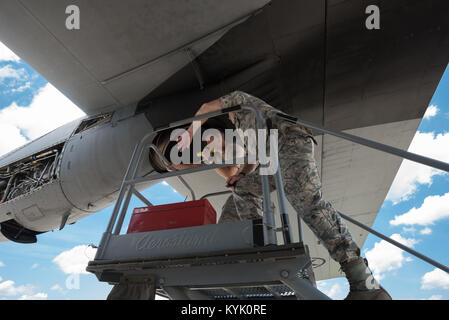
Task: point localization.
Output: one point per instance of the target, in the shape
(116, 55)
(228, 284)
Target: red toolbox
(171, 216)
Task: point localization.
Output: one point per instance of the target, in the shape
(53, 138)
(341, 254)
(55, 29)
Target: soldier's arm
(227, 172)
(230, 100)
(242, 98)
(185, 139)
(235, 98)
(247, 168)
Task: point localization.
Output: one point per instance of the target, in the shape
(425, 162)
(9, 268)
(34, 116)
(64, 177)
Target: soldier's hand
(232, 180)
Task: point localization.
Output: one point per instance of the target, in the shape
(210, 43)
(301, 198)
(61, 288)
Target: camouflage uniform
(302, 183)
(229, 212)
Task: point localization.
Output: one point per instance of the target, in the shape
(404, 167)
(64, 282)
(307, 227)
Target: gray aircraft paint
(92, 166)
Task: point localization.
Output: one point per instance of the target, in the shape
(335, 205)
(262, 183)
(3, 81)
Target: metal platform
(268, 272)
(236, 260)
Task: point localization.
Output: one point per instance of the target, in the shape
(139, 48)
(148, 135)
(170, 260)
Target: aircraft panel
(122, 49)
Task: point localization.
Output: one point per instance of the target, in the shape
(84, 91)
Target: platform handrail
(370, 230)
(130, 180)
(437, 164)
(396, 244)
(215, 194)
(167, 163)
(268, 218)
(387, 149)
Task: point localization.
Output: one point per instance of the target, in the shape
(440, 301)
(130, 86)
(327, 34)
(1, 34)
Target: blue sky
(414, 212)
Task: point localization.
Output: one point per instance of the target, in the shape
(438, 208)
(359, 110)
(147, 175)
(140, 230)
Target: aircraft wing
(123, 49)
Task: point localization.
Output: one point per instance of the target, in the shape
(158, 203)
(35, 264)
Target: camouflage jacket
(246, 119)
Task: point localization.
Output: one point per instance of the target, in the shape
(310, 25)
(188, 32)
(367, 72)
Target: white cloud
(431, 111)
(8, 288)
(433, 208)
(435, 297)
(426, 231)
(335, 291)
(436, 279)
(6, 54)
(34, 266)
(22, 88)
(49, 110)
(409, 229)
(15, 138)
(74, 261)
(2, 265)
(9, 72)
(37, 296)
(385, 257)
(410, 175)
(58, 288)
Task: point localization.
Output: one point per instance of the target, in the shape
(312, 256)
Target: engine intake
(15, 232)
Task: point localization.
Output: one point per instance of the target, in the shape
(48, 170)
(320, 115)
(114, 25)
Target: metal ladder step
(270, 272)
(247, 293)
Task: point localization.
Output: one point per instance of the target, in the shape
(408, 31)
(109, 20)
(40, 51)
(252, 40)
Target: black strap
(269, 125)
(294, 120)
(287, 117)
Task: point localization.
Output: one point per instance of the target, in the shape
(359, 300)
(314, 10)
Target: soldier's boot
(362, 284)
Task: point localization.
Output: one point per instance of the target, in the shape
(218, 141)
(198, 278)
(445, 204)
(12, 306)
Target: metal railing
(390, 150)
(127, 188)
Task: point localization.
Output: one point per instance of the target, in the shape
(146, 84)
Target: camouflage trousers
(302, 187)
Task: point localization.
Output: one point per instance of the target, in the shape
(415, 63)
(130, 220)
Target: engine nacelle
(68, 180)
